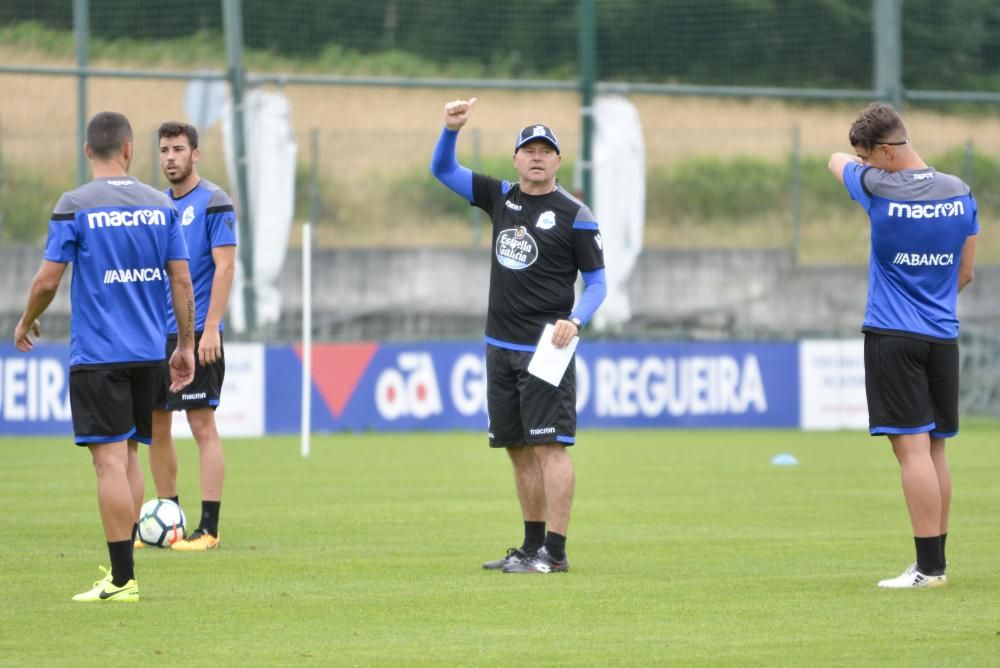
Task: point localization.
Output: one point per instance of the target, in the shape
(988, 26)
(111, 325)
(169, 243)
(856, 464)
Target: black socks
(930, 555)
(534, 536)
(555, 545)
(210, 517)
(122, 565)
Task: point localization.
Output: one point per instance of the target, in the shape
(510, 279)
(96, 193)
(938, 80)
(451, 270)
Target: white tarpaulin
(204, 102)
(619, 200)
(271, 152)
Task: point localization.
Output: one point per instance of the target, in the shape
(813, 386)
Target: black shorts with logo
(113, 403)
(204, 390)
(524, 409)
(911, 385)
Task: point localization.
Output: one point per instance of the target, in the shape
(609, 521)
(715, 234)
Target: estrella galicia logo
(188, 217)
(516, 249)
(546, 221)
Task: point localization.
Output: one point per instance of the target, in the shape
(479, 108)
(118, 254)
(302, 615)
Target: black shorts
(912, 386)
(113, 403)
(524, 409)
(204, 390)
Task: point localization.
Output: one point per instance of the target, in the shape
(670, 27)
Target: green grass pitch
(686, 547)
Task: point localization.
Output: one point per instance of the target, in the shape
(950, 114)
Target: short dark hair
(107, 134)
(176, 129)
(876, 124)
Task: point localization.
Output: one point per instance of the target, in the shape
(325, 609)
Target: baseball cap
(533, 132)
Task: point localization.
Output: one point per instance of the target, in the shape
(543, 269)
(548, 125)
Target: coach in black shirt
(542, 237)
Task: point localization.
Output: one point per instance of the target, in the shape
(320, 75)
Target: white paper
(549, 363)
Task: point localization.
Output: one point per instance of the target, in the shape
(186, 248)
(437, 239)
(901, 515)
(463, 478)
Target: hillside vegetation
(718, 170)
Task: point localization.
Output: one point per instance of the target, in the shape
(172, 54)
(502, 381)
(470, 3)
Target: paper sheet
(549, 363)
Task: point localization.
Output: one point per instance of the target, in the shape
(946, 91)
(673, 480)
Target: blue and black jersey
(119, 235)
(920, 221)
(208, 220)
(540, 242)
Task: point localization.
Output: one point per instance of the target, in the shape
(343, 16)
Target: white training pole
(306, 337)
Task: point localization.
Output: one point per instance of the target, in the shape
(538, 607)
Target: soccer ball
(161, 522)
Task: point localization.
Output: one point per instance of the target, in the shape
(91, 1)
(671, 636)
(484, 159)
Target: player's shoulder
(574, 205)
(914, 184)
(124, 191)
(157, 197)
(217, 196)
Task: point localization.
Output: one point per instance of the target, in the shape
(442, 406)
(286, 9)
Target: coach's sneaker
(911, 578)
(514, 555)
(199, 541)
(541, 562)
(105, 590)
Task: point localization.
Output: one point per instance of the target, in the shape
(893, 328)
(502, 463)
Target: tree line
(947, 44)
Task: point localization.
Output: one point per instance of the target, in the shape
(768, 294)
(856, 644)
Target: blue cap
(533, 132)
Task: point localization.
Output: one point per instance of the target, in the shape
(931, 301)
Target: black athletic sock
(122, 565)
(210, 517)
(175, 499)
(555, 545)
(534, 536)
(135, 531)
(929, 555)
(944, 560)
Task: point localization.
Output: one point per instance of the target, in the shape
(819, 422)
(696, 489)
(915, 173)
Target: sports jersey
(540, 242)
(119, 234)
(920, 220)
(208, 220)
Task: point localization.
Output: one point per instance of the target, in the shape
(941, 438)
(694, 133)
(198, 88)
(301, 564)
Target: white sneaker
(911, 578)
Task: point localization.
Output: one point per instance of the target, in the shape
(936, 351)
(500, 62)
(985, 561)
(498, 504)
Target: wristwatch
(576, 321)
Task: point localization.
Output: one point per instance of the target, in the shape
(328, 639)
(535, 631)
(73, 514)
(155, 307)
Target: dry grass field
(369, 136)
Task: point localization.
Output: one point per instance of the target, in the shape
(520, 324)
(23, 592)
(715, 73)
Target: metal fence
(741, 103)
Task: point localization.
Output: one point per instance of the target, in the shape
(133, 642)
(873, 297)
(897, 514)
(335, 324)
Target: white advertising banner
(241, 410)
(832, 386)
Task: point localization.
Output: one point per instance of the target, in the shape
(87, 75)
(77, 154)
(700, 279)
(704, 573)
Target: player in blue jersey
(543, 237)
(923, 247)
(125, 243)
(208, 222)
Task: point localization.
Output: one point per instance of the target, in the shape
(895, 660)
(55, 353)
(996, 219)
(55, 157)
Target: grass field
(687, 548)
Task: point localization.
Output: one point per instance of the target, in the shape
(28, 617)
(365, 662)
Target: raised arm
(837, 163)
(444, 164)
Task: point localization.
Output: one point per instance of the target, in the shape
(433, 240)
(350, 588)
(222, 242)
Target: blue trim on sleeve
(877, 431)
(445, 166)
(106, 439)
(509, 346)
(566, 439)
(943, 434)
(584, 225)
(594, 291)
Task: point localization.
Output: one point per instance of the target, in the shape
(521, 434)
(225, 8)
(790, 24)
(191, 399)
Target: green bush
(26, 202)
